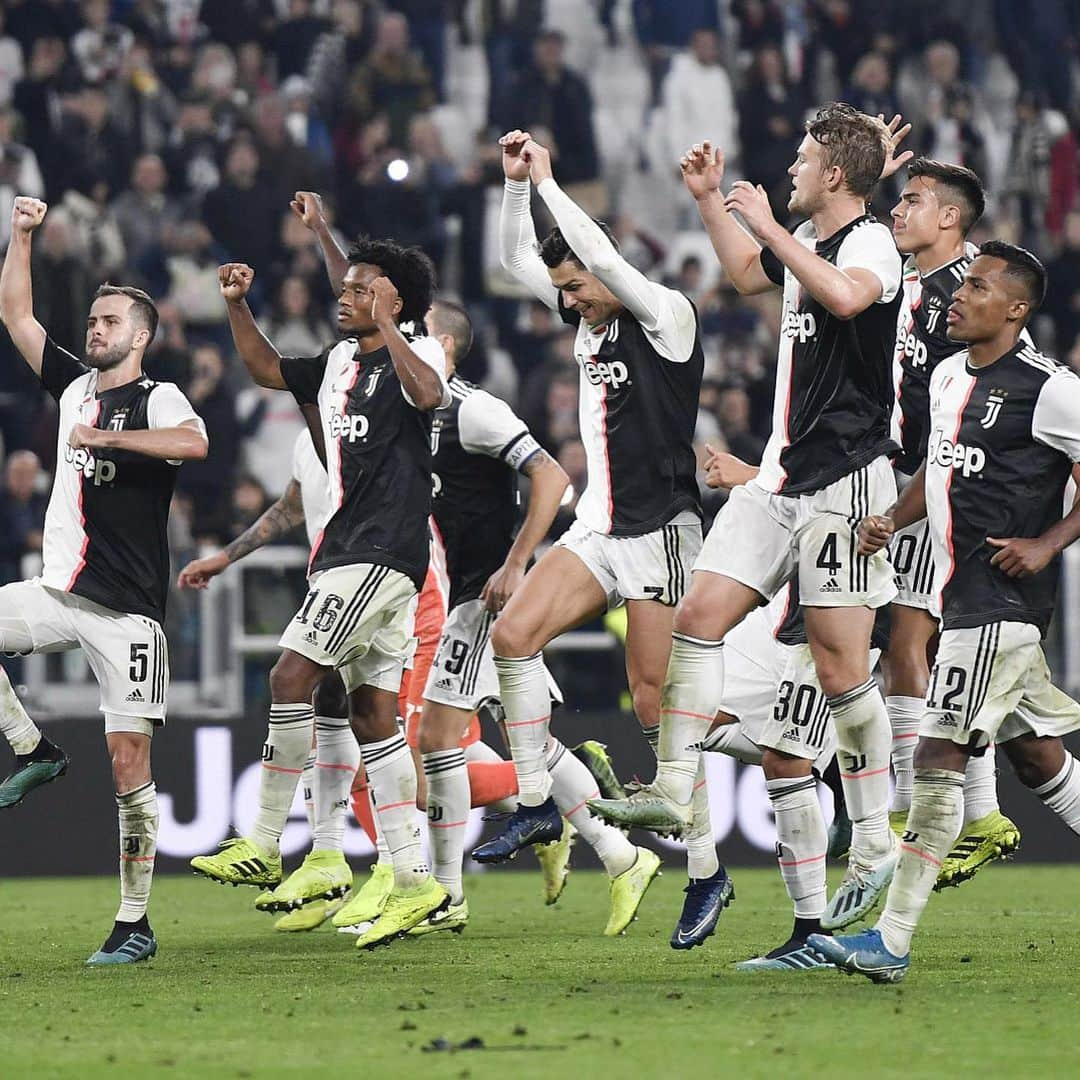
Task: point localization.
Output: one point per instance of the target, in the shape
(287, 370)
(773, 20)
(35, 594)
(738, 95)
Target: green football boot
(240, 862)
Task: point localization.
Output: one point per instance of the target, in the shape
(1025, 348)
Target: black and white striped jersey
(834, 387)
(921, 345)
(105, 527)
(378, 456)
(637, 410)
(1003, 439)
(479, 445)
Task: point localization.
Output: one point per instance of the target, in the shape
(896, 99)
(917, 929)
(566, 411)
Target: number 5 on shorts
(140, 662)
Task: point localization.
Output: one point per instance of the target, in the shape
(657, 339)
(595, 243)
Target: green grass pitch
(993, 991)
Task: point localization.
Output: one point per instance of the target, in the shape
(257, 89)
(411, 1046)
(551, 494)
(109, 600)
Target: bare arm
(844, 293)
(739, 253)
(16, 294)
(418, 379)
(280, 518)
(726, 471)
(549, 482)
(183, 443)
(308, 207)
(260, 357)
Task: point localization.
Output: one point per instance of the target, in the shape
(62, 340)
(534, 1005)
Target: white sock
(138, 813)
(448, 815)
(480, 751)
(382, 848)
(524, 693)
(730, 739)
(701, 860)
(688, 704)
(392, 778)
(572, 786)
(652, 737)
(980, 786)
(338, 758)
(19, 730)
(1062, 794)
(307, 785)
(863, 739)
(801, 840)
(905, 713)
(933, 824)
(288, 743)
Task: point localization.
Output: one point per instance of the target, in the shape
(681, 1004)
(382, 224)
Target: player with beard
(938, 206)
(1004, 436)
(105, 572)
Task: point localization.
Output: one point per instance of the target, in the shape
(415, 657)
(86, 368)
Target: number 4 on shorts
(828, 558)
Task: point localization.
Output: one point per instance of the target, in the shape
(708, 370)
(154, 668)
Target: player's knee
(906, 672)
(291, 680)
(779, 766)
(130, 763)
(696, 617)
(330, 698)
(838, 672)
(512, 636)
(1035, 761)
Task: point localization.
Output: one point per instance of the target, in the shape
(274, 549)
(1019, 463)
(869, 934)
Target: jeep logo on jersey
(799, 324)
(967, 460)
(614, 373)
(909, 345)
(348, 427)
(100, 470)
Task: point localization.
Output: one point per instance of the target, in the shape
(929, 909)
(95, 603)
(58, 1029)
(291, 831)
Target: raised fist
(235, 280)
(27, 214)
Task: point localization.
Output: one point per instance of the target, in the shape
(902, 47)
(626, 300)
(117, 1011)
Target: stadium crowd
(169, 135)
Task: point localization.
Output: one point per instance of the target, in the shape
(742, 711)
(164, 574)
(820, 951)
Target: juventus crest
(994, 402)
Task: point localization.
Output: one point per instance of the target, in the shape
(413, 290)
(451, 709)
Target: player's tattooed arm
(548, 482)
(739, 253)
(1021, 556)
(16, 293)
(185, 442)
(877, 530)
(418, 379)
(260, 357)
(308, 207)
(279, 519)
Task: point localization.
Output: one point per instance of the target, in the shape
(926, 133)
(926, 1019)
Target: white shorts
(762, 540)
(799, 722)
(128, 654)
(358, 620)
(463, 673)
(754, 664)
(912, 557)
(991, 684)
(654, 566)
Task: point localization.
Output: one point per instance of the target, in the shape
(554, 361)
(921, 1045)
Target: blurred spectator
(733, 412)
(871, 88)
(427, 28)
(697, 102)
(19, 172)
(145, 212)
(663, 27)
(1028, 178)
(191, 156)
(760, 22)
(96, 149)
(101, 46)
(841, 32)
(303, 124)
(771, 112)
(294, 326)
(193, 284)
(1063, 287)
(295, 37)
(235, 21)
(508, 31)
(269, 423)
(392, 80)
(22, 512)
(62, 281)
(242, 212)
(338, 51)
(37, 99)
(252, 77)
(548, 95)
(168, 358)
(11, 61)
(248, 501)
(212, 399)
(295, 166)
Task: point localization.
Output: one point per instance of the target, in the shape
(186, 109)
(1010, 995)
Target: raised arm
(308, 207)
(260, 357)
(739, 253)
(419, 380)
(843, 292)
(548, 484)
(16, 295)
(278, 519)
(518, 249)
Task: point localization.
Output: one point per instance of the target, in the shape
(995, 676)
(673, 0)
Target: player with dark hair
(827, 458)
(369, 401)
(1004, 436)
(938, 206)
(638, 528)
(105, 576)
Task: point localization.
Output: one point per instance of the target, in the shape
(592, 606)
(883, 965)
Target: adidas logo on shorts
(135, 695)
(310, 638)
(830, 586)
